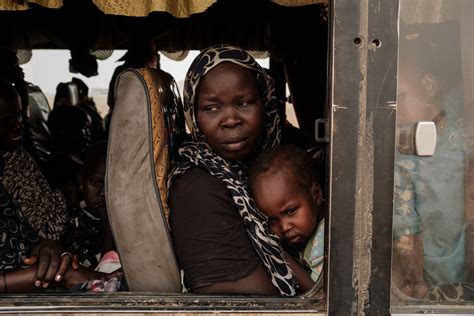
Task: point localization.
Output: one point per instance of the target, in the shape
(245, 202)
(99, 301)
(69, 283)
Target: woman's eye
(291, 211)
(211, 108)
(242, 103)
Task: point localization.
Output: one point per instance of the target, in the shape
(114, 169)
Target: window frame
(363, 107)
(362, 117)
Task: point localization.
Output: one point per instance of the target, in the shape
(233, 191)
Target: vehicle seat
(39, 135)
(66, 92)
(147, 126)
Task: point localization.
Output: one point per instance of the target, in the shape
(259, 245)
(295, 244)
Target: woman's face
(230, 112)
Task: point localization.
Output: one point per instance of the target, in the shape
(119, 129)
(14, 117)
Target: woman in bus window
(32, 215)
(222, 241)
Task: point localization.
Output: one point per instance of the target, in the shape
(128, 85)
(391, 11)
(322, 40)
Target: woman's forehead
(226, 68)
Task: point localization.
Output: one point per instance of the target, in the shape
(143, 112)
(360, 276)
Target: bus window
(299, 44)
(433, 216)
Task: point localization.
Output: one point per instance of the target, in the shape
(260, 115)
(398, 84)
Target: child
(284, 183)
(89, 234)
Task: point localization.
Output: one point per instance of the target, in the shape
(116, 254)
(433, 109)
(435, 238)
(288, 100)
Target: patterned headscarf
(197, 152)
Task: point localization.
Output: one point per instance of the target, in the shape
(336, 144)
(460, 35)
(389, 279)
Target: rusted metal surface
(152, 302)
(364, 177)
(363, 100)
(344, 78)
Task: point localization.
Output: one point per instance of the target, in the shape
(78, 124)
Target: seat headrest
(141, 137)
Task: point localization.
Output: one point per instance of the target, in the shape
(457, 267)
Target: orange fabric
(160, 145)
(178, 8)
(15, 6)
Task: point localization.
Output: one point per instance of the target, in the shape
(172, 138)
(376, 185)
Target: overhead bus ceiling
(256, 25)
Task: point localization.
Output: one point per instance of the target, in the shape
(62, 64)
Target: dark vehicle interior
(382, 94)
(294, 37)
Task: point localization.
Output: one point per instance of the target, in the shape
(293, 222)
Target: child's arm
(79, 276)
(303, 278)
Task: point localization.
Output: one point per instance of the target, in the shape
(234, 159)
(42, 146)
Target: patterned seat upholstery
(146, 127)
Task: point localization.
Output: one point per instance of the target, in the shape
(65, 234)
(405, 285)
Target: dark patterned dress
(82, 236)
(17, 238)
(43, 208)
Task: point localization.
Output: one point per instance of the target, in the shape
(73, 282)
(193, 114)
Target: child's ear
(317, 193)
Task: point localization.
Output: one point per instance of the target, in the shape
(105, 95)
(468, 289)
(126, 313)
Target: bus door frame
(362, 105)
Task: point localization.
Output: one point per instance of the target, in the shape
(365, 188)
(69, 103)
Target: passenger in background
(28, 204)
(285, 185)
(76, 93)
(35, 136)
(43, 208)
(11, 71)
(33, 264)
(87, 103)
(431, 231)
(70, 129)
(141, 54)
(88, 232)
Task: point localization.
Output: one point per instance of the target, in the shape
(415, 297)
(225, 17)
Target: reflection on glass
(433, 196)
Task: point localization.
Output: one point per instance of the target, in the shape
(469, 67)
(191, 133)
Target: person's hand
(79, 276)
(52, 262)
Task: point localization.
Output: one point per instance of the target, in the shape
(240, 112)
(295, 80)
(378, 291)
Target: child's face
(93, 186)
(291, 208)
(10, 123)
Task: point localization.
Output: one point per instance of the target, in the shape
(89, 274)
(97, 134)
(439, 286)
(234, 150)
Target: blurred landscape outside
(47, 68)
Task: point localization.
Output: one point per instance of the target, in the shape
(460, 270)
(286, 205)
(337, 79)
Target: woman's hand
(52, 262)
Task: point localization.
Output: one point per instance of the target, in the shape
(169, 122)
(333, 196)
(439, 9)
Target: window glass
(48, 67)
(433, 232)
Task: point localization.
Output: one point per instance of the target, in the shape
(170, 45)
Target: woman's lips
(235, 145)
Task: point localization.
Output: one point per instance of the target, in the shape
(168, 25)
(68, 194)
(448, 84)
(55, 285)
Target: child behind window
(285, 186)
(88, 232)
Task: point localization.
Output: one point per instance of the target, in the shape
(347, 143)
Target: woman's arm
(17, 281)
(211, 243)
(51, 262)
(257, 283)
(21, 280)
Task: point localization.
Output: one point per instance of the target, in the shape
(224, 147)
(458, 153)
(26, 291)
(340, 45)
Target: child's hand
(79, 276)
